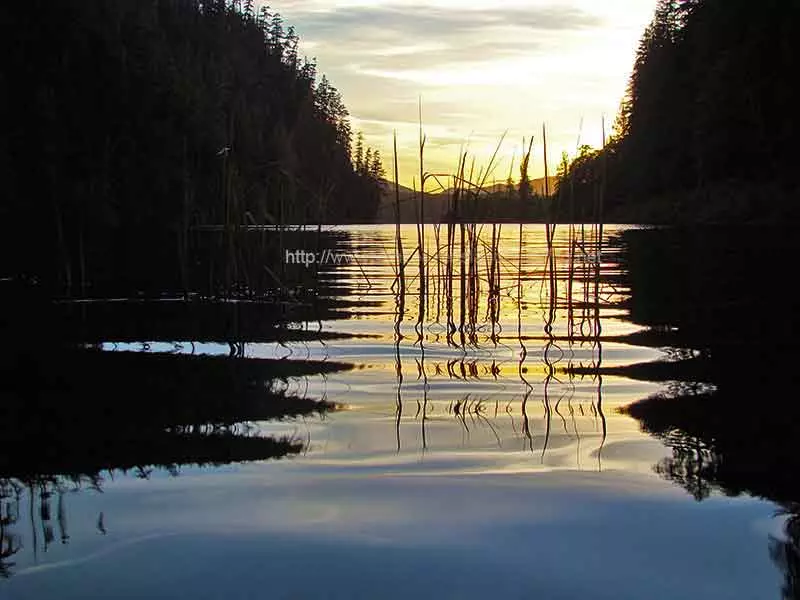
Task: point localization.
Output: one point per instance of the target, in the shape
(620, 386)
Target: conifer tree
(359, 152)
(367, 162)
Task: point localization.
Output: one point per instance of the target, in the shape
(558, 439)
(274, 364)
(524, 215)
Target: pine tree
(248, 9)
(276, 34)
(367, 162)
(263, 20)
(376, 170)
(322, 99)
(308, 72)
(290, 48)
(359, 152)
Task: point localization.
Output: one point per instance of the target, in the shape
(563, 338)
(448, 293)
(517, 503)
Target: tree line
(127, 124)
(709, 124)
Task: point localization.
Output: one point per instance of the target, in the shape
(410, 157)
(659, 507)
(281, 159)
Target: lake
(539, 415)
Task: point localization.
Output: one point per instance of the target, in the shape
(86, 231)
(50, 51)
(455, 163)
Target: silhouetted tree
(126, 124)
(710, 104)
(359, 152)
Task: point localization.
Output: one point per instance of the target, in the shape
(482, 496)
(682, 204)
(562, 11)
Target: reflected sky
(453, 466)
(327, 532)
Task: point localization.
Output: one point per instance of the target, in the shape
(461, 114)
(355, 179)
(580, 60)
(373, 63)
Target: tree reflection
(93, 414)
(739, 434)
(786, 552)
(10, 543)
(718, 446)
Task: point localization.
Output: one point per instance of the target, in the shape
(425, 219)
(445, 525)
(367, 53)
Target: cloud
(426, 21)
(380, 37)
(480, 67)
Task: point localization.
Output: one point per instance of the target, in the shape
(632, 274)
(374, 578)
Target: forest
(707, 131)
(129, 125)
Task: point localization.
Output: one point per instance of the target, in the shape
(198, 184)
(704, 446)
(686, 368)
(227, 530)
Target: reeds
(461, 283)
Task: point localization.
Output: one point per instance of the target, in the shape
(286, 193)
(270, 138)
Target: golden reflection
(493, 305)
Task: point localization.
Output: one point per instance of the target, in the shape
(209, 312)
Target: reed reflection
(486, 298)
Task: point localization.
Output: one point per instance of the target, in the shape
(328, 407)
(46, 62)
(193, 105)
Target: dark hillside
(127, 124)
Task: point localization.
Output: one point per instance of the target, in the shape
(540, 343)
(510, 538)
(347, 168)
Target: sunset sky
(481, 67)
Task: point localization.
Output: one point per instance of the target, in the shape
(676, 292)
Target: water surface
(479, 436)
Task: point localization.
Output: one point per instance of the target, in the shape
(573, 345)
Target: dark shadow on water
(71, 418)
(728, 296)
(283, 281)
(734, 442)
(84, 411)
(72, 415)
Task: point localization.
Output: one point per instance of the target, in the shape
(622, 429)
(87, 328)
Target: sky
(479, 68)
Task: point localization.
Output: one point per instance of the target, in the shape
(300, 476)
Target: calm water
(469, 449)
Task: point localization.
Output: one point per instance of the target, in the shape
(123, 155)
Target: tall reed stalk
(398, 236)
(421, 223)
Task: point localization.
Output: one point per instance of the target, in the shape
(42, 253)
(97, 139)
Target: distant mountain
(436, 203)
(537, 186)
